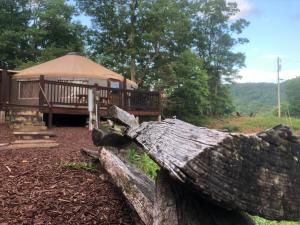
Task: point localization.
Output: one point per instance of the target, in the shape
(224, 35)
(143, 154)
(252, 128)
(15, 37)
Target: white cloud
(255, 75)
(245, 7)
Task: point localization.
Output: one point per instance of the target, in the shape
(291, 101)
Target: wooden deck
(58, 97)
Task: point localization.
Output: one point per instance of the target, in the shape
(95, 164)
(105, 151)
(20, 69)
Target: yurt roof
(10, 71)
(70, 65)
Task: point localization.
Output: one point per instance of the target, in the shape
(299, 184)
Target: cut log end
(258, 174)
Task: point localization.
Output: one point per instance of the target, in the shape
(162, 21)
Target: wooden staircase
(26, 120)
(29, 130)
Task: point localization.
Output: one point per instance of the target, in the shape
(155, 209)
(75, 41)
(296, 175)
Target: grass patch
(80, 165)
(143, 162)
(261, 221)
(252, 124)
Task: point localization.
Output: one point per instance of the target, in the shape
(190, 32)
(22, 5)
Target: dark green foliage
(214, 38)
(293, 96)
(255, 97)
(36, 31)
(15, 17)
(188, 93)
(146, 40)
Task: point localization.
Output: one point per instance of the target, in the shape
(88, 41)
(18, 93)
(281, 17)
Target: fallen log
(103, 137)
(89, 155)
(135, 186)
(121, 116)
(258, 174)
(176, 204)
(171, 204)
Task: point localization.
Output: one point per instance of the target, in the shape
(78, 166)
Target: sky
(274, 31)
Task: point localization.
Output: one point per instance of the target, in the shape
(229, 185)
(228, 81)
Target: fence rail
(59, 93)
(51, 94)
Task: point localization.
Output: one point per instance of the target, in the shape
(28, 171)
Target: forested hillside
(255, 97)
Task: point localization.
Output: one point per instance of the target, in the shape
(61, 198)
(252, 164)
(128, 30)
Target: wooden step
(36, 141)
(29, 145)
(33, 134)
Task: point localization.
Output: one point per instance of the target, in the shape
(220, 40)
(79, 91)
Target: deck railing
(59, 93)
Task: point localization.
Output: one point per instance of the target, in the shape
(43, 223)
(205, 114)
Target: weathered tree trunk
(107, 138)
(136, 187)
(258, 174)
(176, 204)
(121, 116)
(89, 155)
(173, 203)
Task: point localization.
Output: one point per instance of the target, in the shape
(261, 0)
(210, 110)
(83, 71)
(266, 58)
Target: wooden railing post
(124, 95)
(42, 89)
(5, 89)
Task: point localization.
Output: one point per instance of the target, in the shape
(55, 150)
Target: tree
(293, 96)
(54, 32)
(215, 35)
(138, 38)
(35, 31)
(14, 22)
(188, 95)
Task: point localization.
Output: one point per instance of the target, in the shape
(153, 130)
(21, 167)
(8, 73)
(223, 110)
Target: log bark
(258, 174)
(89, 155)
(135, 186)
(107, 138)
(121, 116)
(176, 204)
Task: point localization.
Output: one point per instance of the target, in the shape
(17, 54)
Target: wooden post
(2, 117)
(50, 118)
(124, 99)
(5, 87)
(42, 88)
(97, 106)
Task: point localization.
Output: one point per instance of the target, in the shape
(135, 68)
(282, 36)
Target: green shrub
(261, 221)
(143, 162)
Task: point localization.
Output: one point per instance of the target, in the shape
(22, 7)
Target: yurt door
(115, 92)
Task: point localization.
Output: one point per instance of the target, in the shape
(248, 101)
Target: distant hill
(255, 97)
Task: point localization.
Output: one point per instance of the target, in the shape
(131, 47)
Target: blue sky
(274, 31)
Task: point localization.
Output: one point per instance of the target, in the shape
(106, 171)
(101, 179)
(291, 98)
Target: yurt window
(114, 83)
(28, 89)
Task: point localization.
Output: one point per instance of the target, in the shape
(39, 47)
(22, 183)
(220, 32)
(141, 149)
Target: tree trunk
(258, 174)
(132, 47)
(176, 204)
(135, 186)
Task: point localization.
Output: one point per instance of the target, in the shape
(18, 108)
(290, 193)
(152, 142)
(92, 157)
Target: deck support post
(137, 119)
(159, 118)
(2, 117)
(50, 118)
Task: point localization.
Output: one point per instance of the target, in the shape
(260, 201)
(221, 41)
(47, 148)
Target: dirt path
(36, 186)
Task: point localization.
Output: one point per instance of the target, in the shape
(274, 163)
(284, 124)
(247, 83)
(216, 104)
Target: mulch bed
(36, 186)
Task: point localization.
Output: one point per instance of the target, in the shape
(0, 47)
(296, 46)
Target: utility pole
(278, 86)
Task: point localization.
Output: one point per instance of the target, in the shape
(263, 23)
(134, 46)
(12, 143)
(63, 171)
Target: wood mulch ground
(36, 186)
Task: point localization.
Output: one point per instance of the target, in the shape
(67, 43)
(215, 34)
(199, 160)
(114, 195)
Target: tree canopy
(183, 48)
(36, 31)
